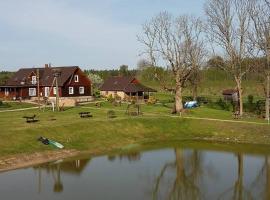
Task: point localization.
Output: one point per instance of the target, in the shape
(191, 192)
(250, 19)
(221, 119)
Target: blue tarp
(191, 104)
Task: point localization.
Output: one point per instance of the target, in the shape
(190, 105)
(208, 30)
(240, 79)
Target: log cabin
(26, 82)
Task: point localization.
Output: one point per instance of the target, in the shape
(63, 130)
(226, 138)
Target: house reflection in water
(54, 170)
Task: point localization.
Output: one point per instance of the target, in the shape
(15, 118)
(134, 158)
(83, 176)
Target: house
(230, 95)
(126, 88)
(26, 83)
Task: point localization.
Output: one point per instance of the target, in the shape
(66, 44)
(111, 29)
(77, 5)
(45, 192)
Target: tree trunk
(178, 98)
(194, 92)
(267, 96)
(240, 95)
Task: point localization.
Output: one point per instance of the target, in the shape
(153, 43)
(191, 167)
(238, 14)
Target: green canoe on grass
(56, 144)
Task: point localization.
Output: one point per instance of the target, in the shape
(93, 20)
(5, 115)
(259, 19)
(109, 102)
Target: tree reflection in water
(55, 169)
(187, 172)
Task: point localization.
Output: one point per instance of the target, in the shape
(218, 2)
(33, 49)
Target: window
(32, 92)
(54, 90)
(34, 79)
(70, 90)
(76, 78)
(81, 90)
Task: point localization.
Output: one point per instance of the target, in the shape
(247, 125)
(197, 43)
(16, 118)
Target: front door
(47, 91)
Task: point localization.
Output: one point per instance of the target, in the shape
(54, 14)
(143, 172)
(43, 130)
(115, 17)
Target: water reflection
(159, 174)
(55, 169)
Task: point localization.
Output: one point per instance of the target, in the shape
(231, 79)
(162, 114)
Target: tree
(260, 37)
(176, 43)
(228, 25)
(123, 70)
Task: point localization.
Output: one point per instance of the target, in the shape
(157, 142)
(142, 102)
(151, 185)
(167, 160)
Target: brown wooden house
(125, 88)
(24, 83)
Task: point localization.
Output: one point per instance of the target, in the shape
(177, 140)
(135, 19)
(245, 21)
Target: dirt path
(25, 160)
(20, 109)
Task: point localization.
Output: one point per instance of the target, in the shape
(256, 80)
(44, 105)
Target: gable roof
(125, 84)
(229, 91)
(22, 76)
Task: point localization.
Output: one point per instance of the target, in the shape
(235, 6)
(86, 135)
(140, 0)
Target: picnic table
(30, 119)
(85, 114)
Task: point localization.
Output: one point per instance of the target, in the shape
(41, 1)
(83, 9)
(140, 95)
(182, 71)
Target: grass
(101, 134)
(15, 105)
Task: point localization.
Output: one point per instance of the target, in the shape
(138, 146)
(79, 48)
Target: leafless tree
(177, 43)
(260, 37)
(228, 25)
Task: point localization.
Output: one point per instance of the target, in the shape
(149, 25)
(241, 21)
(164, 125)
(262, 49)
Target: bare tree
(260, 37)
(176, 43)
(228, 24)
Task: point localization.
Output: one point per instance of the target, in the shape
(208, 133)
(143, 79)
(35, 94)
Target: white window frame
(70, 90)
(34, 80)
(32, 92)
(76, 78)
(81, 90)
(54, 90)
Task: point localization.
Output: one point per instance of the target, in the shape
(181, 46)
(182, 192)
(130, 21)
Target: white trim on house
(81, 90)
(70, 90)
(32, 92)
(34, 80)
(76, 78)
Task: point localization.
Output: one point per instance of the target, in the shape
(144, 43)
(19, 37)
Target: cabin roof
(46, 76)
(125, 84)
(229, 91)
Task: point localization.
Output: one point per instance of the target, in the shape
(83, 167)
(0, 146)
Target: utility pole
(56, 74)
(38, 89)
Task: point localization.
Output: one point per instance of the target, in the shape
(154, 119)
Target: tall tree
(228, 25)
(260, 37)
(123, 70)
(176, 43)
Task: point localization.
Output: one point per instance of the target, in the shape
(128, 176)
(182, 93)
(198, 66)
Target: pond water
(165, 173)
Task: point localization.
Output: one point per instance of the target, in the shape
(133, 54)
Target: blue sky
(88, 33)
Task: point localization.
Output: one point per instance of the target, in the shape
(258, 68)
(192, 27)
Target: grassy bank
(100, 134)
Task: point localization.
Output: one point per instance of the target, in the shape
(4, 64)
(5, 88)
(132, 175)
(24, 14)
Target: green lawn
(100, 134)
(15, 105)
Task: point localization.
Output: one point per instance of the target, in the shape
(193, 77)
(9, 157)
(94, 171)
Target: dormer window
(76, 78)
(34, 80)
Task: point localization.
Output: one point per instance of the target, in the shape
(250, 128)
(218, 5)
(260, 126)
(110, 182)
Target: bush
(111, 114)
(260, 107)
(220, 104)
(1, 103)
(250, 99)
(152, 100)
(250, 106)
(110, 98)
(97, 94)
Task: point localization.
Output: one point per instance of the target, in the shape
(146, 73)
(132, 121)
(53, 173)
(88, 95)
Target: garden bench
(85, 114)
(30, 119)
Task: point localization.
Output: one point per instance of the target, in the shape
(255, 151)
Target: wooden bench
(85, 114)
(30, 119)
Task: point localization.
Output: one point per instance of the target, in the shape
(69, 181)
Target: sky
(92, 34)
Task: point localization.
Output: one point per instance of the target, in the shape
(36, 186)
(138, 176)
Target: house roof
(229, 91)
(125, 84)
(23, 76)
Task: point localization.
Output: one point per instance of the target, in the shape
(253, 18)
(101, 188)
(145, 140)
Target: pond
(174, 172)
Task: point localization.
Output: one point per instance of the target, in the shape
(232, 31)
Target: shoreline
(20, 161)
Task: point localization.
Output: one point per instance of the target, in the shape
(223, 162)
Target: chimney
(46, 65)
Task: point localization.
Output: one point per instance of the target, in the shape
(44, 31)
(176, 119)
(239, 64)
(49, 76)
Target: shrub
(152, 100)
(250, 99)
(260, 107)
(220, 104)
(110, 98)
(111, 114)
(1, 103)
